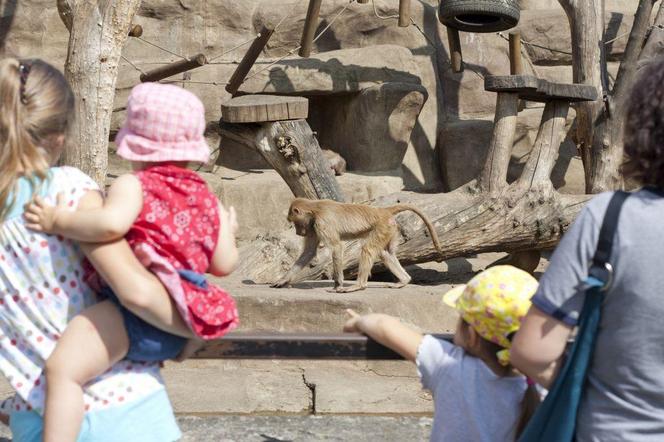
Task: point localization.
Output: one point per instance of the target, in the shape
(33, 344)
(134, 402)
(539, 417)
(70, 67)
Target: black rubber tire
(479, 15)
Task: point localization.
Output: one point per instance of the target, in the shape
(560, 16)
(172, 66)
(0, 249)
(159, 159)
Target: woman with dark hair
(623, 398)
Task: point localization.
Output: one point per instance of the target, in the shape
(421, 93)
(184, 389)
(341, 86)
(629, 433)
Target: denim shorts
(147, 343)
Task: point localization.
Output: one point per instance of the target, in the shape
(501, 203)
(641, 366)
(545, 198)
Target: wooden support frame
(310, 23)
(456, 58)
(248, 60)
(404, 13)
(347, 346)
(178, 67)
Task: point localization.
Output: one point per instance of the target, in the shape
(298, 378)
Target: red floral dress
(177, 230)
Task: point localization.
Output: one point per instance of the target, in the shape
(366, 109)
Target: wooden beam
(404, 13)
(299, 346)
(516, 68)
(310, 23)
(248, 60)
(456, 59)
(169, 70)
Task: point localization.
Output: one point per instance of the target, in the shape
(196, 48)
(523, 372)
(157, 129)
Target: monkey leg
(308, 253)
(376, 241)
(389, 258)
(338, 265)
(394, 266)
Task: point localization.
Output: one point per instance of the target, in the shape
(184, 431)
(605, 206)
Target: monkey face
(301, 220)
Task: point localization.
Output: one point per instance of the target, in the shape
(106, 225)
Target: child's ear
(473, 338)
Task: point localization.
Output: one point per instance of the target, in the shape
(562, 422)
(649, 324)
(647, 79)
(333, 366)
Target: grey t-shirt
(624, 396)
(471, 402)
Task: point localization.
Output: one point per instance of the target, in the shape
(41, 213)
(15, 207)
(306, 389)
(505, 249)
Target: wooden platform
(535, 89)
(262, 108)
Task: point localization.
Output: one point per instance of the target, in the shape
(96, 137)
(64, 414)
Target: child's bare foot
(190, 348)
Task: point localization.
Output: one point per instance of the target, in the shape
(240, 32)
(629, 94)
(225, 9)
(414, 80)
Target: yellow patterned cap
(494, 302)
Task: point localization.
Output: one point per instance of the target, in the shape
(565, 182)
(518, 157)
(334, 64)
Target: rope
(431, 43)
(535, 45)
(215, 83)
(132, 65)
(234, 48)
(292, 51)
(382, 17)
(162, 48)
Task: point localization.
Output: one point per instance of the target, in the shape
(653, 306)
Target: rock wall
(346, 74)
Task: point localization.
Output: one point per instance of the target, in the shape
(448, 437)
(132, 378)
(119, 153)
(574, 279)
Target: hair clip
(24, 71)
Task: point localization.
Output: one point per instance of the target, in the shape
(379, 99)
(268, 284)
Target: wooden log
(260, 108)
(136, 31)
(178, 67)
(516, 68)
(467, 223)
(545, 150)
(310, 23)
(494, 175)
(248, 60)
(456, 58)
(291, 148)
(404, 13)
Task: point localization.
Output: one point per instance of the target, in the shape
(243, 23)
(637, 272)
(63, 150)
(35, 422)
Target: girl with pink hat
(175, 226)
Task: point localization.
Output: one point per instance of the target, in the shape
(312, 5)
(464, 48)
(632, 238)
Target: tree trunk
(97, 33)
(600, 123)
(655, 45)
(291, 148)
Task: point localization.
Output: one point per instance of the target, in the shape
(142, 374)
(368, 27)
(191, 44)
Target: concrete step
(233, 428)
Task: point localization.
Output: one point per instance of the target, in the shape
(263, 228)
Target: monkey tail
(432, 231)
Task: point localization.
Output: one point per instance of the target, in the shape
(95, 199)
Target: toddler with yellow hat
(175, 226)
(478, 396)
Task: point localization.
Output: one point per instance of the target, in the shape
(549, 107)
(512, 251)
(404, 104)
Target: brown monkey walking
(330, 223)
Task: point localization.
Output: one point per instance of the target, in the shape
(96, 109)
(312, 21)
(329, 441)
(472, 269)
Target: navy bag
(555, 418)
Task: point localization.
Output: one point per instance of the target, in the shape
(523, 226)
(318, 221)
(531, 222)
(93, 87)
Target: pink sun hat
(164, 123)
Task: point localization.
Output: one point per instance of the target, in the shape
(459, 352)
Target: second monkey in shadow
(330, 223)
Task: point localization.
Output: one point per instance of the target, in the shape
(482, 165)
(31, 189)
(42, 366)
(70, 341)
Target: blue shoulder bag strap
(555, 418)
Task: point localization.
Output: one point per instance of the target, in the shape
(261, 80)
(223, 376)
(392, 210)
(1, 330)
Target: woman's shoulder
(70, 180)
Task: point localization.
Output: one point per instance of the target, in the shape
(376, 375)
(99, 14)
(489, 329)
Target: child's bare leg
(136, 288)
(92, 342)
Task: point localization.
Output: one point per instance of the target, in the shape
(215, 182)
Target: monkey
(330, 222)
(336, 161)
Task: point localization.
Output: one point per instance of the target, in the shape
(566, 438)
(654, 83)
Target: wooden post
(516, 68)
(456, 59)
(310, 23)
(136, 31)
(545, 150)
(494, 175)
(404, 13)
(162, 72)
(248, 60)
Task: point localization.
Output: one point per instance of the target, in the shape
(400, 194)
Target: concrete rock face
(382, 96)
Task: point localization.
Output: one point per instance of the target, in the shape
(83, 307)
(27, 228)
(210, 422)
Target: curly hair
(644, 128)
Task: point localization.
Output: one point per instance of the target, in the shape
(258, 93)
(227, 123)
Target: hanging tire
(479, 15)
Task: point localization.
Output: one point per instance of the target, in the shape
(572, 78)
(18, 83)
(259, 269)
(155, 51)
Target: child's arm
(111, 221)
(226, 255)
(386, 330)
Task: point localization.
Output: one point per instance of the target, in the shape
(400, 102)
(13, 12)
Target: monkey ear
(297, 211)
